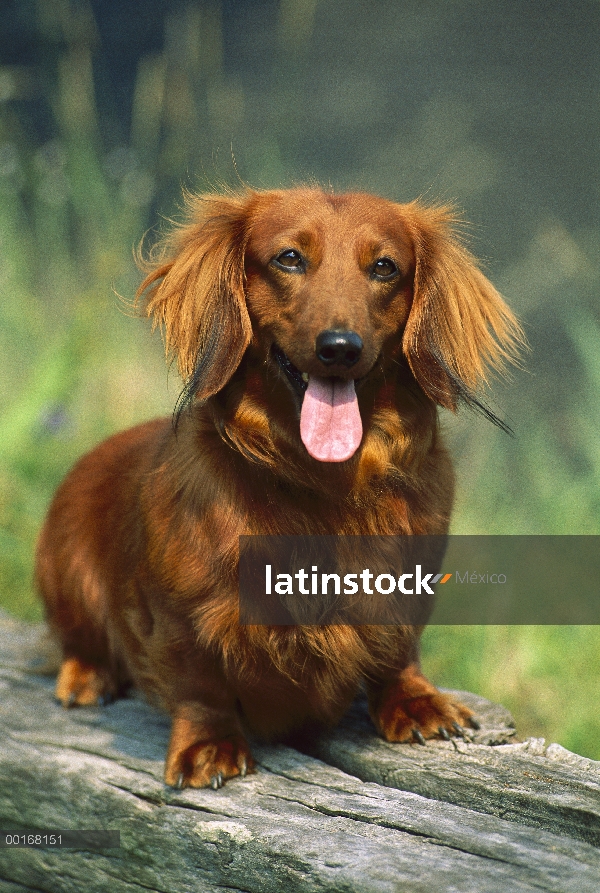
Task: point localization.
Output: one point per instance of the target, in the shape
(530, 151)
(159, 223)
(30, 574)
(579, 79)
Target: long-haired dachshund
(317, 335)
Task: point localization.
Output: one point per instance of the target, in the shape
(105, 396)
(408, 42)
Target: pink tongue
(330, 424)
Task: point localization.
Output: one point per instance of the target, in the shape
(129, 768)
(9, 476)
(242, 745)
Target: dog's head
(327, 290)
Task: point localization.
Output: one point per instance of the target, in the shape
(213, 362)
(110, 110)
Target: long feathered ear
(459, 327)
(194, 291)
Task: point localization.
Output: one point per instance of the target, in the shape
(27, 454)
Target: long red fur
(137, 562)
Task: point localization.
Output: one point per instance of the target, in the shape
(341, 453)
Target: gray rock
(483, 813)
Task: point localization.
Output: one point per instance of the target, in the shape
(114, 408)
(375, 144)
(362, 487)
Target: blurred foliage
(106, 108)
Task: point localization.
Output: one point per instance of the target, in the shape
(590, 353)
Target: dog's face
(318, 263)
(325, 290)
(329, 283)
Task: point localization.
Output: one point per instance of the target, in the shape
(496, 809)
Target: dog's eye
(384, 268)
(290, 260)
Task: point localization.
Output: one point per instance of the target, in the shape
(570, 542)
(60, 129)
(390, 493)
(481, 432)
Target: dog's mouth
(330, 423)
(297, 379)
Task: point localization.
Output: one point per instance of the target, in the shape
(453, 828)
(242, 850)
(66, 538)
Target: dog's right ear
(459, 327)
(194, 291)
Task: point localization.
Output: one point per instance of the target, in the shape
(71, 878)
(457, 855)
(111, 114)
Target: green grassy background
(75, 200)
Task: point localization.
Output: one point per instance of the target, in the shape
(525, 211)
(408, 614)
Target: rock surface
(483, 813)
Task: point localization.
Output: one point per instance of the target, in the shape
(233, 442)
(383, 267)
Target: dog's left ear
(195, 292)
(458, 326)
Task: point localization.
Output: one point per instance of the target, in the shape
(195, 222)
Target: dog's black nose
(337, 347)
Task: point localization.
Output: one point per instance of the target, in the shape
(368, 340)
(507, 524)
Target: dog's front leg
(206, 747)
(407, 707)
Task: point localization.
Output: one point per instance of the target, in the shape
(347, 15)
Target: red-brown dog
(317, 334)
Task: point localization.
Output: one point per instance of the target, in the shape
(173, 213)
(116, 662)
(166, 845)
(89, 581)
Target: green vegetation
(77, 365)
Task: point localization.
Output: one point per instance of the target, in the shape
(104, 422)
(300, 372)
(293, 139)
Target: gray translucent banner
(91, 841)
(289, 580)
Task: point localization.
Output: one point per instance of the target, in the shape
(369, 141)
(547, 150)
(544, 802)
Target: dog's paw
(410, 708)
(82, 685)
(208, 763)
(433, 715)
